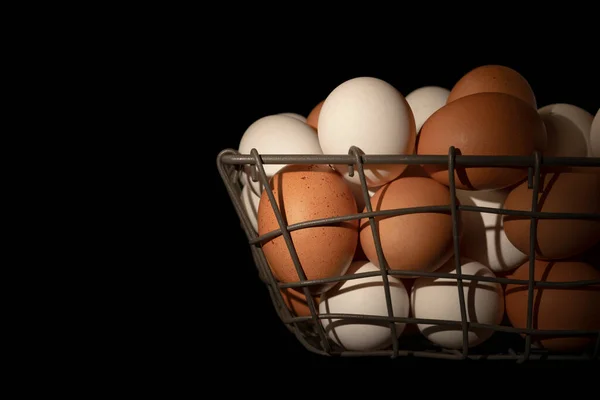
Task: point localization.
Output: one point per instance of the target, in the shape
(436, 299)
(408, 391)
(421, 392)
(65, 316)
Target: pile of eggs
(492, 110)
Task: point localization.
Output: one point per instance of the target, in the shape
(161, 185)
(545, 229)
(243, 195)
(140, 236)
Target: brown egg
(493, 78)
(411, 242)
(556, 238)
(295, 300)
(359, 254)
(573, 308)
(414, 170)
(313, 116)
(486, 124)
(304, 193)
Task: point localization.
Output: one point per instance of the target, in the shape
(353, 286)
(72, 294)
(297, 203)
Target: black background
(268, 79)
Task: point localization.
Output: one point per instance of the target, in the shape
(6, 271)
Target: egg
(359, 254)
(313, 116)
(438, 298)
(568, 130)
(364, 296)
(356, 188)
(484, 239)
(412, 242)
(492, 124)
(424, 101)
(595, 136)
(373, 115)
(296, 302)
(276, 134)
(573, 308)
(304, 193)
(414, 170)
(295, 115)
(250, 201)
(493, 78)
(559, 193)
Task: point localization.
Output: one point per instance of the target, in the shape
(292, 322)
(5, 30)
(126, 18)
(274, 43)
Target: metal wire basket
(312, 336)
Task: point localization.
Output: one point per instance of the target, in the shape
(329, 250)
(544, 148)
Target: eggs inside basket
(377, 247)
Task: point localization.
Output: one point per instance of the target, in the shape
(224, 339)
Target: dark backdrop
(262, 80)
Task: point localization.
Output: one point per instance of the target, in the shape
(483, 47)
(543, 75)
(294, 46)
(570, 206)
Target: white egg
(295, 115)
(363, 296)
(276, 134)
(437, 298)
(250, 200)
(425, 101)
(372, 115)
(483, 238)
(567, 130)
(595, 136)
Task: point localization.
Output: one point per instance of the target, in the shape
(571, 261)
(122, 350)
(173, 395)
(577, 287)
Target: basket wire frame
(230, 164)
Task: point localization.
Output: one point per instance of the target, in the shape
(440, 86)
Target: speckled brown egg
(313, 116)
(410, 242)
(493, 78)
(559, 192)
(296, 302)
(486, 124)
(304, 193)
(574, 308)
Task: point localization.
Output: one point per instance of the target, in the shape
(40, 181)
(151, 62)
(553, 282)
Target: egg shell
(296, 302)
(410, 242)
(414, 170)
(358, 193)
(410, 329)
(276, 134)
(304, 193)
(567, 129)
(595, 136)
(295, 115)
(363, 296)
(438, 298)
(559, 192)
(359, 254)
(574, 308)
(493, 78)
(484, 239)
(250, 201)
(373, 115)
(424, 101)
(485, 124)
(313, 117)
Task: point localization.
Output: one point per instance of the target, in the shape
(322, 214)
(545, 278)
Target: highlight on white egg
(425, 101)
(294, 115)
(438, 298)
(373, 115)
(276, 134)
(483, 238)
(363, 296)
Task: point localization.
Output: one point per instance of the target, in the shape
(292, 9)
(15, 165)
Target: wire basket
(507, 343)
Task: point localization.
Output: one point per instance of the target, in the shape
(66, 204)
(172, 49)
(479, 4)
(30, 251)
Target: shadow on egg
(560, 145)
(460, 172)
(476, 336)
(335, 327)
(480, 226)
(524, 204)
(551, 309)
